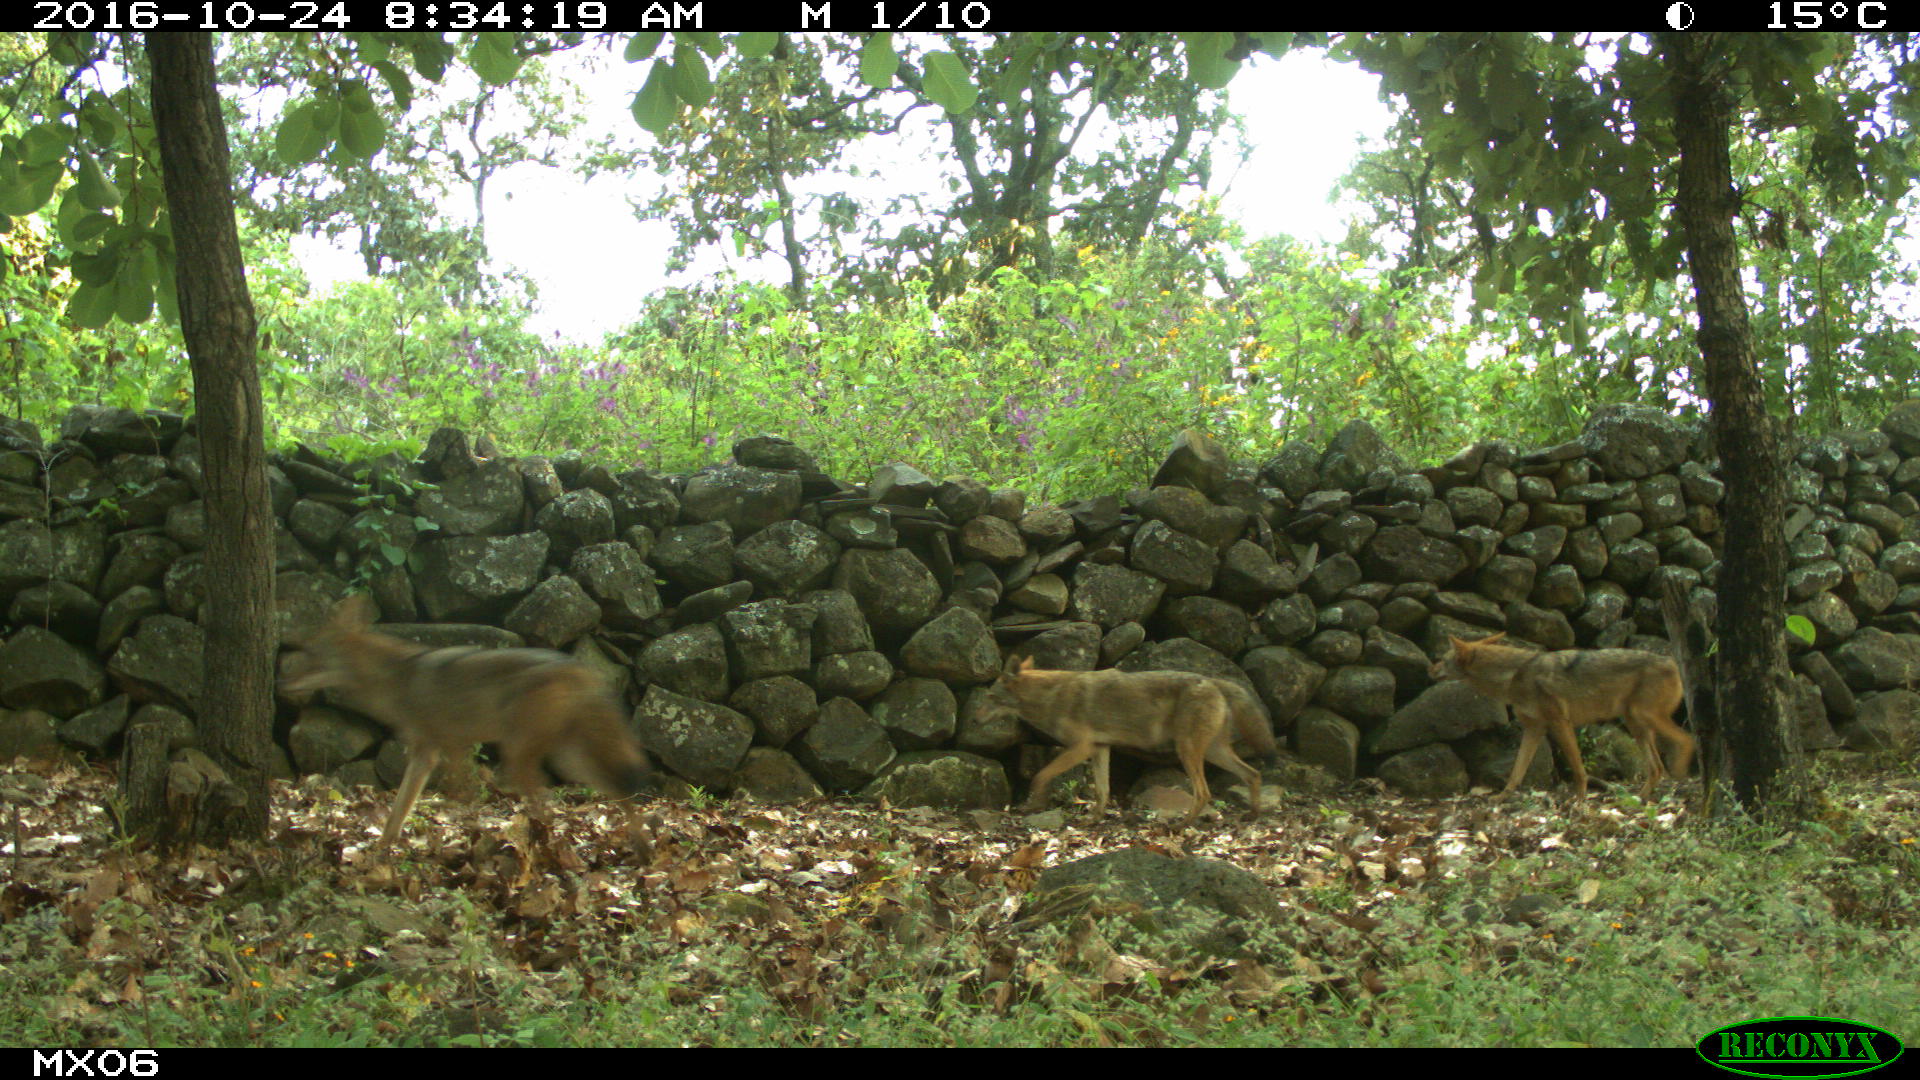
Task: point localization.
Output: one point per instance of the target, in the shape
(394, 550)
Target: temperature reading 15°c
(933, 16)
(1821, 15)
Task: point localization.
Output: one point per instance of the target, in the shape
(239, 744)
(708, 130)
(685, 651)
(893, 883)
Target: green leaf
(1274, 43)
(302, 138)
(493, 58)
(69, 48)
(68, 215)
(655, 106)
(878, 61)
(104, 124)
(642, 45)
(708, 41)
(1801, 627)
(947, 82)
(757, 44)
(32, 187)
(691, 82)
(92, 186)
(355, 97)
(165, 294)
(1207, 58)
(1486, 293)
(393, 554)
(89, 227)
(397, 83)
(91, 306)
(362, 132)
(431, 52)
(45, 144)
(1015, 79)
(372, 48)
(133, 291)
(99, 268)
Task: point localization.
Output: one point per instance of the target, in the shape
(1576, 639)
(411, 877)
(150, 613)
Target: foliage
(773, 161)
(1579, 281)
(48, 365)
(1074, 385)
(1071, 376)
(426, 147)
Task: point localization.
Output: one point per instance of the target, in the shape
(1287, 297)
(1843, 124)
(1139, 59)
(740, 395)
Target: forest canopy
(1062, 298)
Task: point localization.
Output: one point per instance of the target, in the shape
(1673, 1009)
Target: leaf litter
(485, 911)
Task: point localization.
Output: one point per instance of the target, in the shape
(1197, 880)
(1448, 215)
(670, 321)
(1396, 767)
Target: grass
(1529, 923)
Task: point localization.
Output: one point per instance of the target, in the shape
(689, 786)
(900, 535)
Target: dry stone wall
(781, 633)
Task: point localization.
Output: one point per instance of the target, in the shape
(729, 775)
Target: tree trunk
(216, 317)
(1751, 620)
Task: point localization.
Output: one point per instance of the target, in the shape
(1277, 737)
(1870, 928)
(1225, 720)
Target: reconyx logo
(1799, 1047)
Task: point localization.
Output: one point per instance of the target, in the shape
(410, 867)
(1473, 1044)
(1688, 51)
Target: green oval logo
(1799, 1047)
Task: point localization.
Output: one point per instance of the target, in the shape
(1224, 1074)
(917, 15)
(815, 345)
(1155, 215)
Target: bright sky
(595, 263)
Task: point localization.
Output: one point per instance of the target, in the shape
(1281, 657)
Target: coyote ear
(1025, 665)
(1492, 639)
(356, 612)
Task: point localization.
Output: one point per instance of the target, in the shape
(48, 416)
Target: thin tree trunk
(216, 317)
(1750, 623)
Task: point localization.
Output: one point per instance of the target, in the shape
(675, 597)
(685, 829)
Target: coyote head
(1459, 658)
(324, 657)
(998, 701)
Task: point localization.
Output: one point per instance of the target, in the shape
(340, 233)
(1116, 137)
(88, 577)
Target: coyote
(535, 703)
(1558, 691)
(1092, 711)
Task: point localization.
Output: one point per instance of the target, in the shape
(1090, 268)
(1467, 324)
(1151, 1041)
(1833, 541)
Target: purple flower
(711, 439)
(356, 379)
(609, 406)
